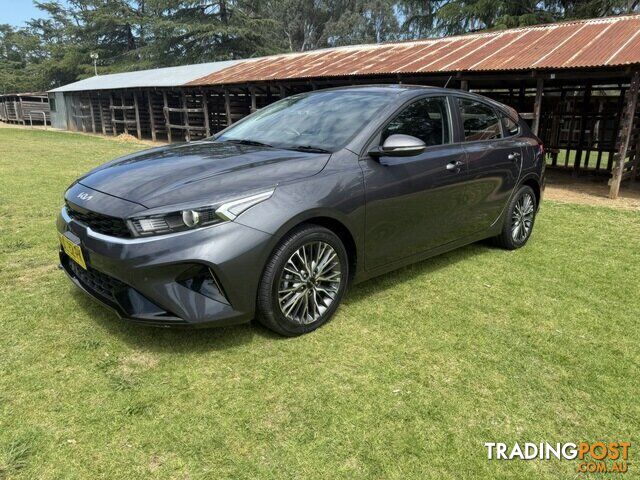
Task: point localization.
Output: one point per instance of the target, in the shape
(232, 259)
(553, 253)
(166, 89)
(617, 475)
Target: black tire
(507, 239)
(269, 312)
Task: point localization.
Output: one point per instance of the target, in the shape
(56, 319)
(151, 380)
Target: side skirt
(491, 232)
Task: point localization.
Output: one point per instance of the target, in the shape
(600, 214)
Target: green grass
(570, 158)
(417, 370)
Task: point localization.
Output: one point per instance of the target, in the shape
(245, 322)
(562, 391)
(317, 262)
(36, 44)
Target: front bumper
(141, 279)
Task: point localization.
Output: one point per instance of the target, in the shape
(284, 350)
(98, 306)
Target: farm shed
(25, 108)
(576, 82)
(149, 104)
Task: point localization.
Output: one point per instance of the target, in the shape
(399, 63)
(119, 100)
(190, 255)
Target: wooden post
(20, 113)
(137, 112)
(114, 129)
(636, 158)
(537, 106)
(187, 132)
(205, 112)
(616, 127)
(521, 96)
(152, 120)
(626, 126)
(586, 107)
(554, 138)
(93, 120)
(167, 121)
(283, 91)
(78, 107)
(100, 113)
(124, 114)
(597, 134)
(464, 85)
(253, 99)
(227, 106)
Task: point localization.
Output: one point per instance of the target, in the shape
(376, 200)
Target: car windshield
(318, 121)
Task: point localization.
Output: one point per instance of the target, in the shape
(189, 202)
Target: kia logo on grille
(85, 196)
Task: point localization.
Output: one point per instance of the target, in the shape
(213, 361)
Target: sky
(17, 12)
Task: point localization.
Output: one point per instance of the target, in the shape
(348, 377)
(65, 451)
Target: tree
(21, 56)
(197, 31)
(364, 21)
(420, 17)
(461, 16)
(592, 8)
(451, 17)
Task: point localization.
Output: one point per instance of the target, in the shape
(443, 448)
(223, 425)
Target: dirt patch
(126, 137)
(562, 187)
(136, 362)
(155, 462)
(36, 273)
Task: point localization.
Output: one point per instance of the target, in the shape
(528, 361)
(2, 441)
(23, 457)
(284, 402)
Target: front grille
(127, 301)
(115, 227)
(100, 283)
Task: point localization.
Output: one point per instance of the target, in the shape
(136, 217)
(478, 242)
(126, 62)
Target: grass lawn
(417, 370)
(570, 158)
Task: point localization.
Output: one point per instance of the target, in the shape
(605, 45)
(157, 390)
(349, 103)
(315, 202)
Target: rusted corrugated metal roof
(601, 42)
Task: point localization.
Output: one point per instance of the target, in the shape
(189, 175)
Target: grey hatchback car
(274, 216)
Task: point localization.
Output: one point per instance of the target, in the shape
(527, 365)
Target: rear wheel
(303, 282)
(519, 219)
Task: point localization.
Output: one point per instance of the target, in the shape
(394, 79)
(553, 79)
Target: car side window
(426, 119)
(479, 120)
(510, 127)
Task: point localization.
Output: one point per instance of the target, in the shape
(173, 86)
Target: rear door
(494, 158)
(415, 203)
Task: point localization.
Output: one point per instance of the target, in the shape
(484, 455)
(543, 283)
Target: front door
(415, 203)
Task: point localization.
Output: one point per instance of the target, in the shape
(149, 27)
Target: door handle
(455, 166)
(513, 156)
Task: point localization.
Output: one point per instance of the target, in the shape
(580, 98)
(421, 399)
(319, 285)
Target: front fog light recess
(191, 218)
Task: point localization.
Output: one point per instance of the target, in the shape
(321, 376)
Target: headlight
(176, 221)
(195, 217)
(191, 218)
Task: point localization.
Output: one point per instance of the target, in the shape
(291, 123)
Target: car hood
(201, 171)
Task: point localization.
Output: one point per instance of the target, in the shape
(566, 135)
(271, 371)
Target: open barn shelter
(25, 108)
(576, 82)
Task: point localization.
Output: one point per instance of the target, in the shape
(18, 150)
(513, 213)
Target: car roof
(388, 88)
(401, 88)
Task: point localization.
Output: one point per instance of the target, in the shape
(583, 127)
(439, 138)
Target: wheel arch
(533, 182)
(337, 226)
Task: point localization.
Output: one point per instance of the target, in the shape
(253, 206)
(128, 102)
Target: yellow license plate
(72, 250)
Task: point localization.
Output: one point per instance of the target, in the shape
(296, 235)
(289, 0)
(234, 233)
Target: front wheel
(303, 281)
(519, 219)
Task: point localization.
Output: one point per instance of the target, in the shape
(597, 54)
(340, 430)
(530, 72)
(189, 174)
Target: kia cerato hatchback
(273, 217)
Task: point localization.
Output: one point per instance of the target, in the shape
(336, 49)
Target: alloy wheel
(309, 282)
(522, 218)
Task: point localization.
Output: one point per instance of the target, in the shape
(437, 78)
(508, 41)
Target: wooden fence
(25, 109)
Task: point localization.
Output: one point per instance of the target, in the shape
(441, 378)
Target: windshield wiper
(308, 148)
(242, 141)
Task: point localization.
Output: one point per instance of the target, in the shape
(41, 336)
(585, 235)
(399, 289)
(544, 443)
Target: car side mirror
(399, 145)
